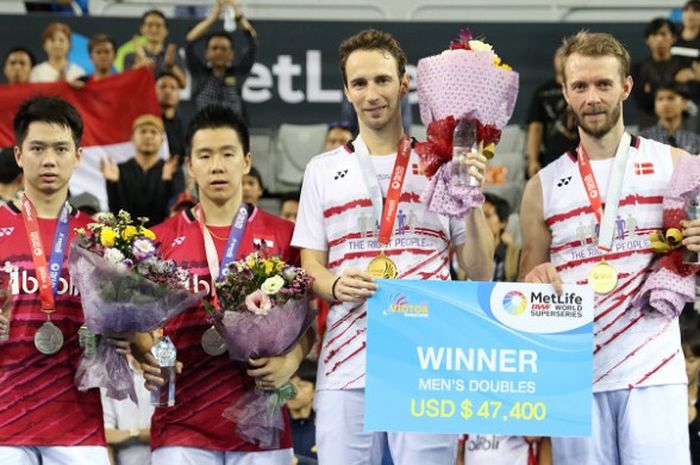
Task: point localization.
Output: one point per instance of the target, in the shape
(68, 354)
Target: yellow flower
(505, 67)
(129, 232)
(496, 60)
(107, 237)
(269, 266)
(148, 234)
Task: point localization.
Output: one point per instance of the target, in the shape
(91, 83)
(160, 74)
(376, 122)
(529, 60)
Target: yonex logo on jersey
(564, 181)
(340, 174)
(178, 241)
(5, 232)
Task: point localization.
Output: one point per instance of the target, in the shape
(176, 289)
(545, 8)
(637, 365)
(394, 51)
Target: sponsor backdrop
(296, 78)
(496, 358)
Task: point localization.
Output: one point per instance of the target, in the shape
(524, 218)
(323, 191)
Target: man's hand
(151, 372)
(691, 235)
(354, 286)
(170, 168)
(170, 54)
(476, 165)
(4, 323)
(109, 169)
(545, 273)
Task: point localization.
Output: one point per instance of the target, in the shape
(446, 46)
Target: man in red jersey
(44, 419)
(193, 431)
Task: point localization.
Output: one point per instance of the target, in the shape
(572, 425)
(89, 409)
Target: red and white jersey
(336, 216)
(631, 348)
(208, 385)
(39, 404)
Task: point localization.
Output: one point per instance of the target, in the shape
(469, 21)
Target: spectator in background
(144, 184)
(151, 48)
(217, 79)
(168, 95)
(688, 44)
(551, 128)
(338, 134)
(17, 65)
(289, 206)
(56, 43)
(507, 254)
(347, 113)
(670, 103)
(102, 49)
(302, 414)
(86, 203)
(183, 201)
(11, 179)
(66, 7)
(660, 68)
(128, 425)
(253, 187)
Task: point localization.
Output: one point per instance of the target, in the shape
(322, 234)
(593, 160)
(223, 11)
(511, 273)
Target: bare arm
(203, 26)
(534, 139)
(535, 266)
(352, 286)
(476, 254)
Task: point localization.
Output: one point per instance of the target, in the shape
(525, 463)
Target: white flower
(272, 285)
(479, 46)
(113, 255)
(143, 249)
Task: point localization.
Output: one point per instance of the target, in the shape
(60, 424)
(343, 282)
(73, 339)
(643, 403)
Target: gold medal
(603, 278)
(381, 267)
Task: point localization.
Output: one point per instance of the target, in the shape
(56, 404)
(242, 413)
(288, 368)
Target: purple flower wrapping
(118, 302)
(257, 414)
(445, 197)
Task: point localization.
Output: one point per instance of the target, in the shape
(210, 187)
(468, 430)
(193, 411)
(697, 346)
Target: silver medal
(48, 339)
(212, 342)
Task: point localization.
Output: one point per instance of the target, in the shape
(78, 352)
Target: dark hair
(690, 337)
(215, 117)
(97, 39)
(32, 59)
(52, 110)
(9, 169)
(372, 39)
(293, 196)
(163, 74)
(256, 174)
(307, 370)
(154, 12)
(692, 5)
(656, 24)
(500, 204)
(675, 87)
(339, 125)
(220, 34)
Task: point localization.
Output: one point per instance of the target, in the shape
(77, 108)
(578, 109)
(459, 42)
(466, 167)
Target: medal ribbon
(606, 218)
(46, 274)
(387, 213)
(235, 236)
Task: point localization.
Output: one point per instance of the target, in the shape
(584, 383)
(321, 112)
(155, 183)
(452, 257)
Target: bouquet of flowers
(125, 288)
(262, 311)
(470, 82)
(672, 283)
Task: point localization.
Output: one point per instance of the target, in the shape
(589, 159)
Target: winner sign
(476, 357)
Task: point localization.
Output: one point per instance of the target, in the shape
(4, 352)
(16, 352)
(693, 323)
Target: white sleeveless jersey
(631, 348)
(336, 216)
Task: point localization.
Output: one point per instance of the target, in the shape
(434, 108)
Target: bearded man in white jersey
(345, 231)
(586, 219)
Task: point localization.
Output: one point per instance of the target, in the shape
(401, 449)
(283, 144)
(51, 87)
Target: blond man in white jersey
(337, 228)
(569, 236)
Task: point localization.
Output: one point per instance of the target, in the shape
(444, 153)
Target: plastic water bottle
(463, 142)
(166, 355)
(229, 19)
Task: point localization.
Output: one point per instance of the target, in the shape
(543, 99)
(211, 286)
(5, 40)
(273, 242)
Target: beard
(611, 119)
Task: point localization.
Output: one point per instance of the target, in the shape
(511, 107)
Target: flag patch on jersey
(416, 169)
(641, 169)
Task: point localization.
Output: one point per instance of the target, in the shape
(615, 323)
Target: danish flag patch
(641, 169)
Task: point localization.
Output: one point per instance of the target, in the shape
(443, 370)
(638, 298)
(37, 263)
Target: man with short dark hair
(144, 184)
(168, 95)
(153, 49)
(17, 65)
(670, 104)
(102, 49)
(217, 79)
(43, 416)
(10, 177)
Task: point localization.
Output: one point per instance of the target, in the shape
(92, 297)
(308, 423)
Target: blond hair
(597, 44)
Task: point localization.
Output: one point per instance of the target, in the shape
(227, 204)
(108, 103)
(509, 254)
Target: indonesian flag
(108, 108)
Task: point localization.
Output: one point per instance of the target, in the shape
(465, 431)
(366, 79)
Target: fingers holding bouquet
(272, 373)
(476, 165)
